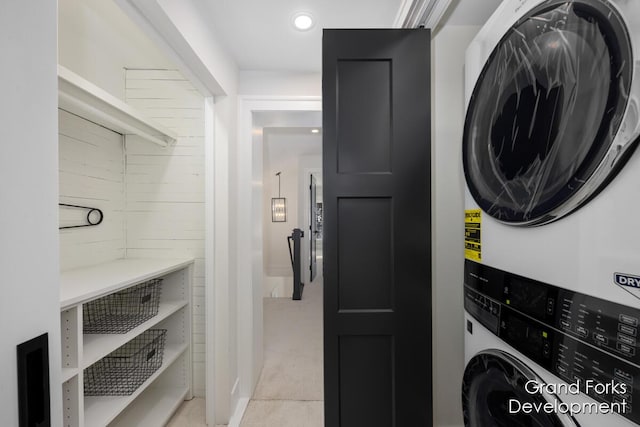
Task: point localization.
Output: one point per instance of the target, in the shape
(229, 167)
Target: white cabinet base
(153, 403)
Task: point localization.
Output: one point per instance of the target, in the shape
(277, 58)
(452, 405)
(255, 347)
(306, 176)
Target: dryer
(552, 123)
(552, 201)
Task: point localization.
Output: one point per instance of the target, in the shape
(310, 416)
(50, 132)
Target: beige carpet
(293, 348)
(283, 413)
(290, 389)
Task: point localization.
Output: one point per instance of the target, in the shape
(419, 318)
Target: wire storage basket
(122, 311)
(122, 371)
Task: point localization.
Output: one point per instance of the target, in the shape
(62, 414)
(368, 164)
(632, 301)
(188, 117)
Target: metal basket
(121, 372)
(122, 311)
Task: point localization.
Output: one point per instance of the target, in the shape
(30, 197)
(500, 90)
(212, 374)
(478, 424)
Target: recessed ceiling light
(315, 130)
(303, 21)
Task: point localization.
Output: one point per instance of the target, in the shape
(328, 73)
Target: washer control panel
(582, 339)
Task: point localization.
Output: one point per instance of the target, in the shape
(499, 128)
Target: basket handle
(151, 354)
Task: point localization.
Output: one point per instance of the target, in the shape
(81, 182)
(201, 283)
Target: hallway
(290, 388)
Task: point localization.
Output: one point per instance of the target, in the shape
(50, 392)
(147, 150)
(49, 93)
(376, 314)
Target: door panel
(365, 281)
(366, 362)
(377, 261)
(366, 149)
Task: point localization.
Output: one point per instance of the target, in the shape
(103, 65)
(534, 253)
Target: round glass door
(490, 380)
(545, 111)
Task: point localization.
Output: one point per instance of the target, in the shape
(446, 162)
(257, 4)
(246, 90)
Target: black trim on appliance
(605, 324)
(490, 380)
(577, 337)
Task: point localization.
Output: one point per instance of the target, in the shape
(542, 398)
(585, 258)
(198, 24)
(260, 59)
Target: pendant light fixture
(278, 206)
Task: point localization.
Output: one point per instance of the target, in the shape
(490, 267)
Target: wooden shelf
(97, 346)
(101, 410)
(84, 284)
(82, 98)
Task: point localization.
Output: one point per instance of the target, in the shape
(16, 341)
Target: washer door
(491, 378)
(541, 129)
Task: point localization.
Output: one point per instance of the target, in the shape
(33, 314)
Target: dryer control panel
(577, 337)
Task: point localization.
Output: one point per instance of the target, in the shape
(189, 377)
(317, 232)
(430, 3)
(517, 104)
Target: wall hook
(91, 217)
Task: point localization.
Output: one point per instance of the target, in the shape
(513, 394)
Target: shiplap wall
(165, 186)
(91, 173)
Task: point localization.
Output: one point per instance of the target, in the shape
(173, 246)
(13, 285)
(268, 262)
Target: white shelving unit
(153, 403)
(82, 98)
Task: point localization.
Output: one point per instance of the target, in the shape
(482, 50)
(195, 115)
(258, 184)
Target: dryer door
(491, 380)
(544, 129)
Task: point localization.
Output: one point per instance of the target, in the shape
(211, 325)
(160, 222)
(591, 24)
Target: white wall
(98, 41)
(227, 393)
(30, 303)
(276, 252)
(165, 187)
(254, 83)
(189, 18)
(448, 49)
(211, 60)
(279, 83)
(290, 151)
(282, 121)
(181, 27)
(91, 163)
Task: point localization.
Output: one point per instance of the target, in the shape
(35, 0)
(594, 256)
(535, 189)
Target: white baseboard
(239, 412)
(277, 286)
(235, 389)
(273, 286)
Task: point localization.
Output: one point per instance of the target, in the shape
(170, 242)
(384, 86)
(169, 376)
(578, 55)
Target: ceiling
(260, 36)
(290, 143)
(287, 119)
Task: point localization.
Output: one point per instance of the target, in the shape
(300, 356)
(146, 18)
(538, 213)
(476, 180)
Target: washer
(521, 331)
(553, 194)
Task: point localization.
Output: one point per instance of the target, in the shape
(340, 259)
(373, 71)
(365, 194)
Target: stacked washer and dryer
(552, 244)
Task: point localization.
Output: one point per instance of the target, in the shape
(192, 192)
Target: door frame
(304, 206)
(248, 204)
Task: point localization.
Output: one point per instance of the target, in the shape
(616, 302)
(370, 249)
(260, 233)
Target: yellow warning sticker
(472, 234)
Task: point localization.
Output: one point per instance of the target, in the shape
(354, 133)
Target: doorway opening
(285, 371)
(292, 169)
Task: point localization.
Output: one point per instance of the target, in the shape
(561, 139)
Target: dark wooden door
(377, 228)
(313, 228)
